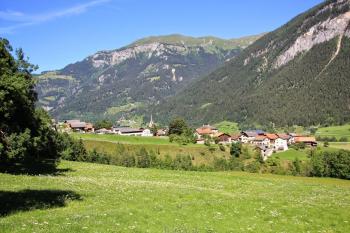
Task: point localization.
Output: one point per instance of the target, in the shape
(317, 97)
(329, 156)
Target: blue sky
(54, 33)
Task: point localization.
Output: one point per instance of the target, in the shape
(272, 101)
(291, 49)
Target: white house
(262, 140)
(146, 133)
(281, 144)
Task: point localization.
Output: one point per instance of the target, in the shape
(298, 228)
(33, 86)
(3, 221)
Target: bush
(326, 144)
(331, 164)
(222, 147)
(343, 139)
(236, 149)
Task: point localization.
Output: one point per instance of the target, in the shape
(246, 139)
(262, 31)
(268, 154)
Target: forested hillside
(297, 74)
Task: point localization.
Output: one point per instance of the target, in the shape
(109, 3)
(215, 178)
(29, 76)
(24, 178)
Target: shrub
(236, 149)
(343, 139)
(331, 164)
(222, 147)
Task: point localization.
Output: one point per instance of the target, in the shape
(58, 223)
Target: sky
(54, 33)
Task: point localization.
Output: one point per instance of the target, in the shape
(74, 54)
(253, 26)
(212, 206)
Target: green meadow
(124, 139)
(86, 197)
(334, 131)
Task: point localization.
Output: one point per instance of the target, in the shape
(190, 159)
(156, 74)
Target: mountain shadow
(27, 200)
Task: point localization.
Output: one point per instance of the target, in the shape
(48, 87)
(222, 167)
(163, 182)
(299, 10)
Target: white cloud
(22, 20)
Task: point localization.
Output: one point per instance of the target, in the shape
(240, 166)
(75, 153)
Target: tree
(103, 124)
(178, 126)
(26, 135)
(236, 149)
(154, 129)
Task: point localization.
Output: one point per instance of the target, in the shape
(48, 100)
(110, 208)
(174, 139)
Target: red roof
(271, 136)
(260, 138)
(305, 139)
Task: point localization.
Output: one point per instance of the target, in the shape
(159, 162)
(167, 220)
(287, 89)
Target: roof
(89, 126)
(77, 124)
(305, 139)
(271, 136)
(235, 136)
(130, 130)
(206, 129)
(250, 133)
(260, 138)
(283, 136)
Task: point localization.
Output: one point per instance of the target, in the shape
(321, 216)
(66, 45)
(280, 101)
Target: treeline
(321, 163)
(331, 139)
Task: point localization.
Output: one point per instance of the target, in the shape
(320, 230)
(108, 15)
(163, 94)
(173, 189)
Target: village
(267, 143)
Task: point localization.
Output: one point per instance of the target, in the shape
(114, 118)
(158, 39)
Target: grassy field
(291, 154)
(125, 139)
(335, 131)
(200, 154)
(101, 198)
(227, 127)
(340, 145)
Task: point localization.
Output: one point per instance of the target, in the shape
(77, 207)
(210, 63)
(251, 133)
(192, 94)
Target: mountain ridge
(281, 79)
(143, 72)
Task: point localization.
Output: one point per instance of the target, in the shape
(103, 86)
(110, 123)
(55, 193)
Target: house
(206, 130)
(235, 138)
(264, 152)
(261, 140)
(248, 136)
(200, 141)
(286, 137)
(77, 126)
(103, 131)
(89, 127)
(146, 133)
(308, 141)
(272, 137)
(128, 131)
(161, 132)
(224, 138)
(281, 144)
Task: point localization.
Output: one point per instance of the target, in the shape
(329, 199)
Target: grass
(200, 154)
(334, 131)
(125, 139)
(340, 145)
(227, 127)
(102, 198)
(291, 154)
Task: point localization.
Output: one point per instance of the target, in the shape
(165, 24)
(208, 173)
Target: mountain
(117, 83)
(298, 74)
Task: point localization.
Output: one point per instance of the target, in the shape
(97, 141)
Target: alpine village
(175, 117)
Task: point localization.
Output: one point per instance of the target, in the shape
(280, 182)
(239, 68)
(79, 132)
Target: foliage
(26, 135)
(331, 164)
(236, 149)
(103, 124)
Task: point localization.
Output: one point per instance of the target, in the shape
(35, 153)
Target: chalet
(281, 144)
(206, 130)
(249, 135)
(146, 133)
(77, 126)
(264, 152)
(89, 127)
(261, 140)
(103, 131)
(224, 138)
(161, 132)
(235, 138)
(308, 141)
(272, 137)
(127, 131)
